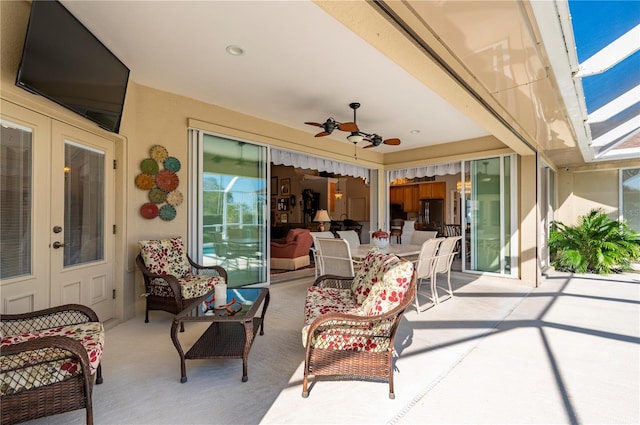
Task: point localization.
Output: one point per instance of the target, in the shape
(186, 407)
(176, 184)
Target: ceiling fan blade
(322, 134)
(393, 142)
(348, 126)
(369, 146)
(314, 123)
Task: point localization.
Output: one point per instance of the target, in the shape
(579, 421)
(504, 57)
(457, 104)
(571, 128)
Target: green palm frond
(596, 244)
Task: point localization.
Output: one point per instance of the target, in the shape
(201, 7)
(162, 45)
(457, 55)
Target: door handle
(57, 245)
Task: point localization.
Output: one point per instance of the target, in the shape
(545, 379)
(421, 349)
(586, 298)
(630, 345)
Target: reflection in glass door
(489, 216)
(232, 196)
(84, 204)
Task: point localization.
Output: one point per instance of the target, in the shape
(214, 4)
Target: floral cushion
(32, 369)
(388, 293)
(191, 286)
(165, 256)
(368, 273)
(349, 338)
(321, 301)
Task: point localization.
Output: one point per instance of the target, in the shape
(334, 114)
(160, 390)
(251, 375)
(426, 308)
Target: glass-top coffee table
(232, 328)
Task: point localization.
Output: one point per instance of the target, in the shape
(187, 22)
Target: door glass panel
(488, 216)
(83, 204)
(505, 211)
(631, 197)
(15, 200)
(234, 191)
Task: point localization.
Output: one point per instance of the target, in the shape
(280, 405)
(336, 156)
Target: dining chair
(317, 258)
(420, 236)
(424, 266)
(396, 229)
(350, 236)
(446, 253)
(336, 257)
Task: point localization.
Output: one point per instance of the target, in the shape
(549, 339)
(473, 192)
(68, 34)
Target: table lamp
(322, 217)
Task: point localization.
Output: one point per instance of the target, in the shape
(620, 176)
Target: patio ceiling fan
(355, 135)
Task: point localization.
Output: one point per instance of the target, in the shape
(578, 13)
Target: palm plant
(596, 244)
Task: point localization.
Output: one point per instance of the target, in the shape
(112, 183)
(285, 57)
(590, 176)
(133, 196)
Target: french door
(56, 202)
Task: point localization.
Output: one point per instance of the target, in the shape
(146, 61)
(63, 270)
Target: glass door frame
(508, 238)
(196, 190)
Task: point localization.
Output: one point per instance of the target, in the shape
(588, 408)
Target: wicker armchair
(171, 278)
(49, 361)
(351, 322)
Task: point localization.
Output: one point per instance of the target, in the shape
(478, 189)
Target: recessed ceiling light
(414, 131)
(235, 50)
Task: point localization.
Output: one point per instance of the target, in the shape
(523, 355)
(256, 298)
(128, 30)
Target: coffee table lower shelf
(225, 340)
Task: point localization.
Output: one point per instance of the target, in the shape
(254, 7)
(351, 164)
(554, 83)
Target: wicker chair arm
(333, 281)
(68, 314)
(211, 270)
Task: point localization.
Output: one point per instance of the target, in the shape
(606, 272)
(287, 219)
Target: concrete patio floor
(498, 353)
(567, 352)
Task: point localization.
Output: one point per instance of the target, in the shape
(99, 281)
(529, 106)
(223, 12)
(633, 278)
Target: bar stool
(396, 229)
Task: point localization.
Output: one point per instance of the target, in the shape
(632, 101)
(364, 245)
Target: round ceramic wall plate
(167, 180)
(174, 198)
(149, 166)
(157, 196)
(172, 164)
(145, 181)
(167, 212)
(149, 210)
(159, 153)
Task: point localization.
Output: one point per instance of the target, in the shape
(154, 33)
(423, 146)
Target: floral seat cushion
(27, 370)
(191, 286)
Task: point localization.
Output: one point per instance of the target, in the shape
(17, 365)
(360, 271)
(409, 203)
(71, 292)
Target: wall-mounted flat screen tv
(66, 63)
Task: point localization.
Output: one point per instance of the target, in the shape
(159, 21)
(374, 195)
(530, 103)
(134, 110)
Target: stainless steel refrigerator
(431, 215)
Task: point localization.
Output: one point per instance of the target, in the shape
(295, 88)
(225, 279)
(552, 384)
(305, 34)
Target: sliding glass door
(231, 181)
(490, 219)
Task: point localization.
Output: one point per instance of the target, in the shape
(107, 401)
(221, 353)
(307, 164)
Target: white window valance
(299, 160)
(426, 171)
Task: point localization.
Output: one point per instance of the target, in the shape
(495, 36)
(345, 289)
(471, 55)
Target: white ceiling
(299, 65)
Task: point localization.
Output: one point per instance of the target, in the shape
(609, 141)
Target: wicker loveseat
(49, 361)
(351, 322)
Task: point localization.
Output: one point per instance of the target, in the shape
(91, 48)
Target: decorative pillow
(165, 256)
(389, 292)
(369, 273)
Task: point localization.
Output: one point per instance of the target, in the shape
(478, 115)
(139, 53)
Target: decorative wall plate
(158, 152)
(157, 196)
(149, 210)
(167, 212)
(172, 164)
(149, 166)
(145, 181)
(174, 198)
(167, 180)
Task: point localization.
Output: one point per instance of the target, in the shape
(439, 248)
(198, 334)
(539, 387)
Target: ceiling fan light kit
(356, 136)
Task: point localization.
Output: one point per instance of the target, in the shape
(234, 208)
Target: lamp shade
(322, 216)
(355, 138)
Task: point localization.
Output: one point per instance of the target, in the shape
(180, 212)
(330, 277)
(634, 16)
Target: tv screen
(65, 63)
